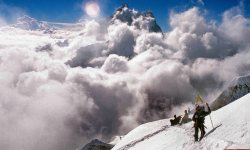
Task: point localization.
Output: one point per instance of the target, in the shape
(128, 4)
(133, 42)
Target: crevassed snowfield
(234, 132)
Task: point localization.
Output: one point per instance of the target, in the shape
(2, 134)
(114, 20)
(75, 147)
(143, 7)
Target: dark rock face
(238, 87)
(97, 145)
(142, 20)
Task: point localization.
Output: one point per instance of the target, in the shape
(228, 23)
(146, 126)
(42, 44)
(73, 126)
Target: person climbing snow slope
(175, 121)
(198, 118)
(185, 118)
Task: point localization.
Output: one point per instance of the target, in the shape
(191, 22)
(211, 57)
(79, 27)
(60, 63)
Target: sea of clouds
(61, 89)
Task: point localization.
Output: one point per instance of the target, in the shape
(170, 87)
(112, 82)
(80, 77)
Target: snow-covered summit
(141, 20)
(121, 40)
(96, 143)
(231, 123)
(237, 88)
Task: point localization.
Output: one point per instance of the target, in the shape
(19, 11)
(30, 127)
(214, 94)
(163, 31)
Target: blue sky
(69, 11)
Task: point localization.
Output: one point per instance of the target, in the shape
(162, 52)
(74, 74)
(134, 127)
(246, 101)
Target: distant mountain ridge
(237, 88)
(97, 145)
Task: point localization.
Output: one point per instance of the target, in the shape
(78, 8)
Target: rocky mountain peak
(123, 6)
(142, 20)
(96, 144)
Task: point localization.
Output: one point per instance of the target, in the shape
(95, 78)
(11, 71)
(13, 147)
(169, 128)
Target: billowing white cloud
(189, 21)
(201, 2)
(193, 38)
(92, 27)
(147, 40)
(121, 40)
(236, 25)
(28, 23)
(115, 64)
(209, 40)
(63, 89)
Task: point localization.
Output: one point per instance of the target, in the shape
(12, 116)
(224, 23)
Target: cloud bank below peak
(72, 86)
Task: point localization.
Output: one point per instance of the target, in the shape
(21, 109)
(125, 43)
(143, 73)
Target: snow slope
(237, 88)
(233, 131)
(116, 140)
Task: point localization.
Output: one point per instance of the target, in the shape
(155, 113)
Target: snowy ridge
(237, 88)
(142, 139)
(232, 122)
(141, 132)
(240, 80)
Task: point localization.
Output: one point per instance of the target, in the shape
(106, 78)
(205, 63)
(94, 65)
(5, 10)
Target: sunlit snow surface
(233, 131)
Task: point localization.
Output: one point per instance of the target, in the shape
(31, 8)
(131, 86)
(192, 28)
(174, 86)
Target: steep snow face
(96, 142)
(238, 87)
(232, 126)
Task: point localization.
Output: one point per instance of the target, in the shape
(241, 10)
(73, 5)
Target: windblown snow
(232, 131)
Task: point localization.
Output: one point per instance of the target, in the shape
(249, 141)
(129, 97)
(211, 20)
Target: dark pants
(201, 127)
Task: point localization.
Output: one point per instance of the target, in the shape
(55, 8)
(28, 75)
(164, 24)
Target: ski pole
(210, 116)
(211, 121)
(203, 137)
